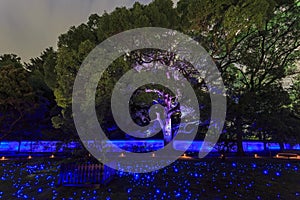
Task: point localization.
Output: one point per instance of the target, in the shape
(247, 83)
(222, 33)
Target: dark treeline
(254, 43)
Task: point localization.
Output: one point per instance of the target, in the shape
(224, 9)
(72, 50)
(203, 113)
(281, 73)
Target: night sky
(27, 27)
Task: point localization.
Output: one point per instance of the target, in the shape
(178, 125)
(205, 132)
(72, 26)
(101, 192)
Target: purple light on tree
(170, 107)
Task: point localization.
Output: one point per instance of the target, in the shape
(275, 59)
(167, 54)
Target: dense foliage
(255, 45)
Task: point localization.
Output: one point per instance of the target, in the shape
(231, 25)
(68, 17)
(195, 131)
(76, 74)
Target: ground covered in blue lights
(185, 179)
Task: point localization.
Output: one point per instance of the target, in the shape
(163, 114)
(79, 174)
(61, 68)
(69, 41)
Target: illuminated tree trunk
(169, 109)
(167, 129)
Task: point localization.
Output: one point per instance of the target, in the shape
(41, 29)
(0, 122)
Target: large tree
(10, 59)
(23, 112)
(25, 98)
(253, 43)
(79, 41)
(15, 97)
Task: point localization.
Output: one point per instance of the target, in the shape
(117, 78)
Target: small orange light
(29, 157)
(122, 155)
(255, 156)
(184, 155)
(3, 158)
(153, 155)
(52, 156)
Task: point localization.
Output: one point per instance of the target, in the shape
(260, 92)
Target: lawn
(210, 178)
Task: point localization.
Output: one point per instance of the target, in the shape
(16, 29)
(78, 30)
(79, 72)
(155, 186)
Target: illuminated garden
(188, 99)
(205, 179)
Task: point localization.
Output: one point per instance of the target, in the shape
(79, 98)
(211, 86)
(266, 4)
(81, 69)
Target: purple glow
(253, 146)
(129, 145)
(42, 146)
(135, 145)
(273, 146)
(9, 146)
(289, 146)
(195, 146)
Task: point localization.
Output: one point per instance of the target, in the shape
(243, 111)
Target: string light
(152, 182)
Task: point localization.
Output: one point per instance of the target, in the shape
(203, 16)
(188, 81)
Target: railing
(85, 174)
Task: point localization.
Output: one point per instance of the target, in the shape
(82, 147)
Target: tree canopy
(255, 45)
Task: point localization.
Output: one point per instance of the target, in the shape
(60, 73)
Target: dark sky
(27, 27)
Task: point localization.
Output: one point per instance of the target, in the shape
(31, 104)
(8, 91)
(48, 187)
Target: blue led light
(129, 145)
(129, 190)
(158, 184)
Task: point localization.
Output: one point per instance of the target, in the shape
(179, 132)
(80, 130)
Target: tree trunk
(265, 144)
(240, 149)
(281, 146)
(167, 130)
